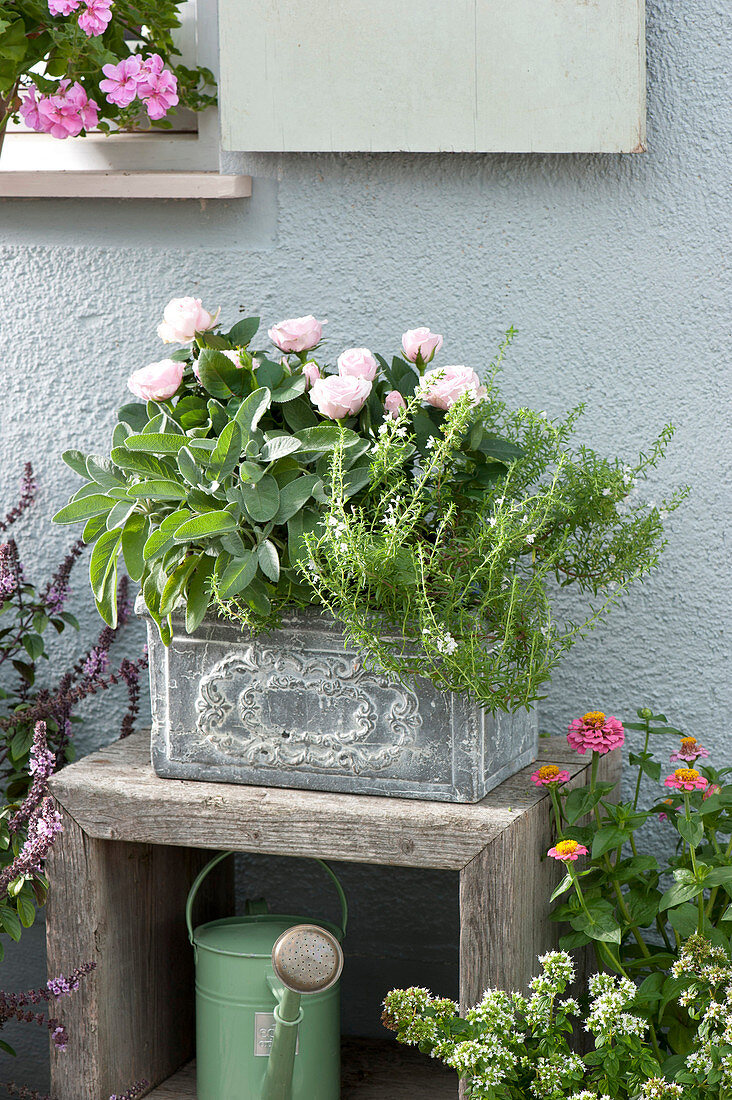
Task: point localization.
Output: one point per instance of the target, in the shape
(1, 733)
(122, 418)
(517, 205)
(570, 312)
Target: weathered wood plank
(120, 905)
(517, 76)
(372, 1070)
(504, 901)
(115, 795)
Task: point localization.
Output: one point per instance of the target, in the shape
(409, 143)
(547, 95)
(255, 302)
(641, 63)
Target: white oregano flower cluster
(607, 1018)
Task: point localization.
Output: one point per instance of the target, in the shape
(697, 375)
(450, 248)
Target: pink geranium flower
(689, 750)
(567, 851)
(96, 17)
(29, 109)
(158, 88)
(122, 80)
(68, 112)
(597, 732)
(548, 775)
(686, 779)
(62, 7)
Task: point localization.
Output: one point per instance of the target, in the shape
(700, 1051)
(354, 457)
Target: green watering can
(254, 1038)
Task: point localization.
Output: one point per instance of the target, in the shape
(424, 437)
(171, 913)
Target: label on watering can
(264, 1027)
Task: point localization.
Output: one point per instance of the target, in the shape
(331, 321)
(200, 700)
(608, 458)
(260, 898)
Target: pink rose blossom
(443, 386)
(157, 381)
(297, 334)
(183, 318)
(689, 750)
(567, 851)
(311, 372)
(339, 397)
(420, 341)
(158, 88)
(394, 403)
(62, 7)
(550, 774)
(96, 17)
(686, 779)
(68, 112)
(357, 363)
(122, 81)
(596, 732)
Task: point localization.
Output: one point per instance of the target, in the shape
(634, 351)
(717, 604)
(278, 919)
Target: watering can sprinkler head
(307, 959)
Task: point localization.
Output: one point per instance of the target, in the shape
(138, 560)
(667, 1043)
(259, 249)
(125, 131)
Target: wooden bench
(132, 844)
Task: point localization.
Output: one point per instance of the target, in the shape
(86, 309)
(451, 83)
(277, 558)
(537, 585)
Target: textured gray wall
(612, 268)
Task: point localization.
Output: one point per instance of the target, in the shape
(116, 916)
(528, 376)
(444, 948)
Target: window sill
(123, 185)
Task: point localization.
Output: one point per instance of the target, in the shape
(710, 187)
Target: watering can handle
(222, 856)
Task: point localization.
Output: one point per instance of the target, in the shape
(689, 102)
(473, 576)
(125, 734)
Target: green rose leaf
(269, 374)
(289, 390)
(219, 376)
(243, 332)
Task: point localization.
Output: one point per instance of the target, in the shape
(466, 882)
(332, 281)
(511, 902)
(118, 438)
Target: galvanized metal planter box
(297, 708)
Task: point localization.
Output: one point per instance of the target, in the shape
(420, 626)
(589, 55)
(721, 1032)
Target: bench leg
(122, 906)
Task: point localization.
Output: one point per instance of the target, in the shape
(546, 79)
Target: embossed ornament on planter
(296, 708)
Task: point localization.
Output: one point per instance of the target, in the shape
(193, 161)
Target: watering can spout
(306, 959)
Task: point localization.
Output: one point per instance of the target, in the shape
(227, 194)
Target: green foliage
(437, 538)
(643, 907)
(447, 565)
(510, 1047)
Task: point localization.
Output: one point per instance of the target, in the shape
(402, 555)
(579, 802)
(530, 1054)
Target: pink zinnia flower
(686, 779)
(96, 17)
(597, 732)
(689, 750)
(158, 88)
(713, 788)
(122, 80)
(671, 802)
(567, 851)
(62, 7)
(548, 775)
